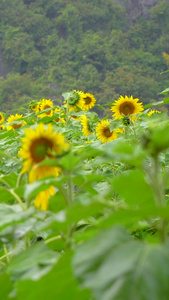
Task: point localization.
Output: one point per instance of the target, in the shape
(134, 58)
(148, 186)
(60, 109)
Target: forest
(50, 47)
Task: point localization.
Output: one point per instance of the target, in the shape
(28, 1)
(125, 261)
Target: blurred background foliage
(49, 47)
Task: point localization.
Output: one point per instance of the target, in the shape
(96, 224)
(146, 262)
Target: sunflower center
(0, 117)
(39, 149)
(107, 132)
(48, 112)
(16, 126)
(87, 100)
(127, 108)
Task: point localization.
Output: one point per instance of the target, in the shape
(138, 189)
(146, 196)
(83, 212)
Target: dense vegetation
(54, 46)
(84, 202)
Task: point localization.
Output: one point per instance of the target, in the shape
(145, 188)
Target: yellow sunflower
(87, 101)
(1, 118)
(42, 199)
(73, 100)
(13, 118)
(126, 106)
(59, 119)
(2, 127)
(38, 144)
(104, 133)
(87, 126)
(35, 106)
(44, 104)
(151, 112)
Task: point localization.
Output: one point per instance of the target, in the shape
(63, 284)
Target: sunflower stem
(159, 195)
(17, 198)
(67, 111)
(6, 255)
(19, 179)
(54, 238)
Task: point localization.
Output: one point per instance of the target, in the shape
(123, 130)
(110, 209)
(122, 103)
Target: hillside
(49, 47)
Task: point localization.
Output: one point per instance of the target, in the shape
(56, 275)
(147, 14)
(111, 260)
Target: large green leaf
(133, 187)
(6, 286)
(33, 262)
(58, 284)
(13, 214)
(116, 267)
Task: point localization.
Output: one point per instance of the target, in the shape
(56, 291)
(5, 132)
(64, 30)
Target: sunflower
(87, 126)
(126, 106)
(104, 133)
(35, 106)
(73, 100)
(151, 112)
(38, 144)
(1, 118)
(59, 119)
(87, 101)
(42, 199)
(17, 125)
(44, 104)
(2, 127)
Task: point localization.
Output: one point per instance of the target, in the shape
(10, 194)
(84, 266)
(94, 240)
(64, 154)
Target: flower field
(84, 210)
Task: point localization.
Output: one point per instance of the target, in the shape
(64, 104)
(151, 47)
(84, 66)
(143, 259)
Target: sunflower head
(87, 125)
(87, 101)
(2, 127)
(40, 143)
(126, 106)
(16, 125)
(104, 133)
(153, 111)
(44, 104)
(1, 118)
(59, 119)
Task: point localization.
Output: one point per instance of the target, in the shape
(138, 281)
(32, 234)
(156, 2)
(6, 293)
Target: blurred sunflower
(1, 118)
(74, 100)
(44, 104)
(2, 127)
(42, 199)
(126, 106)
(104, 133)
(151, 112)
(39, 144)
(17, 125)
(87, 126)
(87, 101)
(59, 118)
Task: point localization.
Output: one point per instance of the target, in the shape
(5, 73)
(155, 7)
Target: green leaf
(33, 262)
(13, 214)
(32, 189)
(6, 196)
(69, 162)
(78, 211)
(6, 286)
(154, 104)
(132, 186)
(165, 92)
(116, 267)
(9, 179)
(59, 284)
